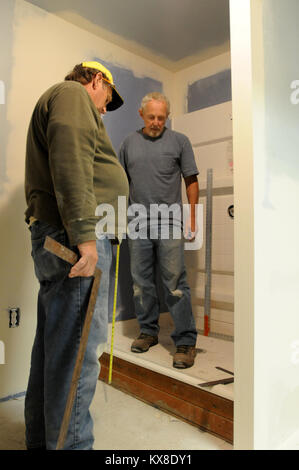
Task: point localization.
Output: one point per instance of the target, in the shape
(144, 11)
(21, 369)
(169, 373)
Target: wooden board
(198, 407)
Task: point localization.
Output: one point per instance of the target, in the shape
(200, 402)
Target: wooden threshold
(198, 407)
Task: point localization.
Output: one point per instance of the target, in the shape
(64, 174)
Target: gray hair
(155, 96)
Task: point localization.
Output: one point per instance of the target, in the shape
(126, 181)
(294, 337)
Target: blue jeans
(62, 305)
(169, 255)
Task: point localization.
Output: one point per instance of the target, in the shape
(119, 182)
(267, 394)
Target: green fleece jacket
(71, 166)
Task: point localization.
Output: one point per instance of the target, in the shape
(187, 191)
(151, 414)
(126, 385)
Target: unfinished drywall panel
(16, 269)
(41, 50)
(210, 133)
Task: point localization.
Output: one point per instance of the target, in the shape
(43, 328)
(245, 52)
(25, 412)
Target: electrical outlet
(14, 317)
(230, 211)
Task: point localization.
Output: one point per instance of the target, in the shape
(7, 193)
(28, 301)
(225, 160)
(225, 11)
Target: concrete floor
(121, 422)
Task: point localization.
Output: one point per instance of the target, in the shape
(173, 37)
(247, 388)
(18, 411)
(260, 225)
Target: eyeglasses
(105, 80)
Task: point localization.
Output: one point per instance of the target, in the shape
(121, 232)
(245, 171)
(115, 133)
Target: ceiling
(172, 33)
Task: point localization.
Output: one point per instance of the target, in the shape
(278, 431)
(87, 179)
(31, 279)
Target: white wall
(266, 142)
(219, 157)
(266, 195)
(210, 133)
(243, 234)
(44, 49)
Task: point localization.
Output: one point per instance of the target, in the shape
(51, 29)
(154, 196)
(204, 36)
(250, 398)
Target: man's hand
(192, 192)
(191, 230)
(86, 265)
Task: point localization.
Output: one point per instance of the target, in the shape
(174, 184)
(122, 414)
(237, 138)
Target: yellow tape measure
(113, 315)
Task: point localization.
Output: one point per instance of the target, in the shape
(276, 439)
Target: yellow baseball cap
(117, 100)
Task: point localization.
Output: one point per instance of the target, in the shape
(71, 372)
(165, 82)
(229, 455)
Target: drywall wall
(241, 50)
(265, 41)
(276, 180)
(39, 50)
(210, 132)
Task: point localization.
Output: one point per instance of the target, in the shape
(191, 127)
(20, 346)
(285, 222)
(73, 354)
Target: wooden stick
(224, 370)
(61, 251)
(217, 382)
(71, 257)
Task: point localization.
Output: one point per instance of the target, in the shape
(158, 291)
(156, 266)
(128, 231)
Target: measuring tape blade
(114, 314)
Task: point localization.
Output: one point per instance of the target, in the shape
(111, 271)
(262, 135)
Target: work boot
(184, 357)
(143, 343)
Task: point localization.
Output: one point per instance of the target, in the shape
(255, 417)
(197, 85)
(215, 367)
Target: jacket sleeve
(71, 134)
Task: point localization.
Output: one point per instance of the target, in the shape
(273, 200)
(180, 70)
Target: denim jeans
(62, 305)
(169, 255)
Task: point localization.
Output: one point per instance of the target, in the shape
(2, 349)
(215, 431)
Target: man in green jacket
(71, 168)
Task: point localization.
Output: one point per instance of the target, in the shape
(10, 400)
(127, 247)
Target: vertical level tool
(208, 260)
(71, 257)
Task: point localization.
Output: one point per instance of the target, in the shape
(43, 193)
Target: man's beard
(155, 132)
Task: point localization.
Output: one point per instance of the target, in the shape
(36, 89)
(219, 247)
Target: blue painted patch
(12, 397)
(210, 91)
(126, 119)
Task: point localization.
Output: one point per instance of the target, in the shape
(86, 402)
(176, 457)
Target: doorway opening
(202, 394)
